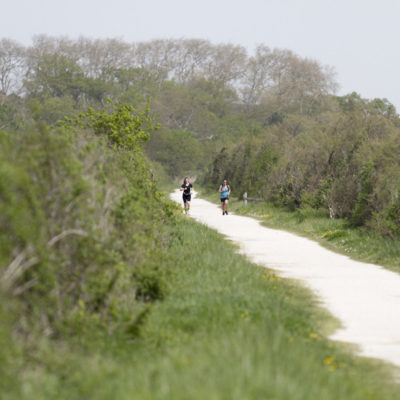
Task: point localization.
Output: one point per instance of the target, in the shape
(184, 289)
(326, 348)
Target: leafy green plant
(121, 123)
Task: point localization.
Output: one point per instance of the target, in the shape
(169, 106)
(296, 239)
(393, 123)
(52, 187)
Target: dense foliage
(86, 236)
(270, 122)
(345, 163)
(80, 219)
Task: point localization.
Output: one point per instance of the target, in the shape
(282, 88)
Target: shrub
(79, 215)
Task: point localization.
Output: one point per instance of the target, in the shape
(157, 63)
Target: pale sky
(359, 38)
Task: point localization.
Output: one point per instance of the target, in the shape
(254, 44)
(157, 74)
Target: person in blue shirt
(225, 191)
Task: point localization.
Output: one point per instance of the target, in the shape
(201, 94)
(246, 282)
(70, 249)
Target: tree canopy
(271, 121)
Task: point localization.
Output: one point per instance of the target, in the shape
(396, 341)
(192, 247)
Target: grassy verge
(226, 330)
(335, 234)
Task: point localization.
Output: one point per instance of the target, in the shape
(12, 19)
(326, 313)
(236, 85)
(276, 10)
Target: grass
(226, 330)
(334, 234)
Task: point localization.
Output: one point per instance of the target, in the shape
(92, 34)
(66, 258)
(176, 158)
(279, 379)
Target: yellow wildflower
(329, 360)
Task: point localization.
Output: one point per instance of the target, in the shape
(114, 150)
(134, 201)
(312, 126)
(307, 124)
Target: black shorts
(186, 197)
(223, 199)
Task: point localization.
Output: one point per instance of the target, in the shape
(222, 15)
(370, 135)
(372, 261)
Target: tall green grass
(227, 329)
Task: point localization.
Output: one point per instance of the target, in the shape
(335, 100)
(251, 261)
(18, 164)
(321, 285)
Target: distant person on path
(187, 189)
(225, 191)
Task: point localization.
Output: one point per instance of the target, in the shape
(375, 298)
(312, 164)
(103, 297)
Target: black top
(186, 188)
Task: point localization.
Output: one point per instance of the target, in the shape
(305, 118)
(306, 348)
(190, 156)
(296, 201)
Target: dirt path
(364, 297)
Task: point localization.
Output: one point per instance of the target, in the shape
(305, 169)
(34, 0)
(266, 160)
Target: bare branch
(65, 233)
(17, 268)
(20, 289)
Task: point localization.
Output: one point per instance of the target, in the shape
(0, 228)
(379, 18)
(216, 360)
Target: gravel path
(364, 297)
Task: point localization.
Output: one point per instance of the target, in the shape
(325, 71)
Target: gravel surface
(364, 297)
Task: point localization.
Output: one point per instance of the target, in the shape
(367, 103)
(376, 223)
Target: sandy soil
(364, 297)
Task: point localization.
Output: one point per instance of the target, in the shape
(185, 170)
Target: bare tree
(188, 57)
(225, 65)
(156, 56)
(98, 57)
(12, 63)
(256, 77)
(304, 84)
(297, 84)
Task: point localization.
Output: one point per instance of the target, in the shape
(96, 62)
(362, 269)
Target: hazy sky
(359, 38)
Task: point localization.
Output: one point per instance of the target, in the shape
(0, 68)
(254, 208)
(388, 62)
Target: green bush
(79, 215)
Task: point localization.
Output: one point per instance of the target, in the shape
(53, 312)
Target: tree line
(270, 121)
(87, 71)
(205, 92)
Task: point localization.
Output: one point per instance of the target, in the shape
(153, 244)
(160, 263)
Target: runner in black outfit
(186, 187)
